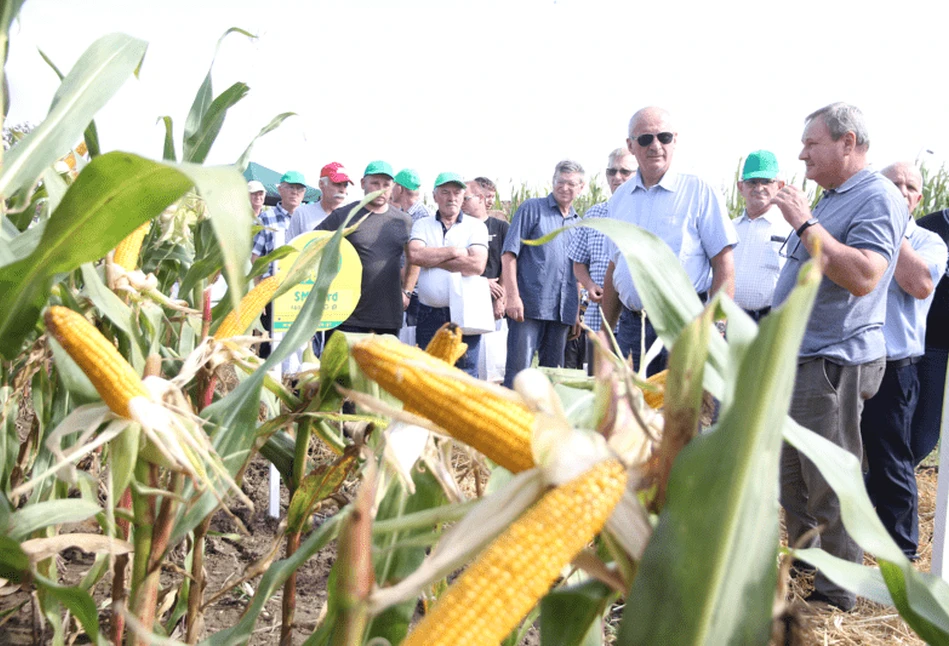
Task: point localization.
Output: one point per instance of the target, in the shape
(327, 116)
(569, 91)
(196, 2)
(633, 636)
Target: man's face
(334, 194)
(489, 196)
(655, 157)
(619, 170)
(822, 156)
(257, 200)
(291, 195)
(758, 193)
(449, 198)
(567, 187)
(474, 202)
(909, 181)
(372, 183)
(404, 198)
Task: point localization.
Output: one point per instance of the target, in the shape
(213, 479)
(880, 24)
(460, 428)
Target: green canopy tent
(270, 178)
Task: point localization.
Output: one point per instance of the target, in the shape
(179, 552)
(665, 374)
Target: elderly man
(292, 188)
(858, 225)
(406, 196)
(589, 252)
(539, 285)
(380, 241)
(887, 417)
(684, 211)
(762, 233)
(334, 184)
(446, 244)
(257, 194)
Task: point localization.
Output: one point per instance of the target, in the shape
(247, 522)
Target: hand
(794, 206)
(575, 331)
(405, 301)
(499, 308)
(595, 294)
(515, 308)
(497, 291)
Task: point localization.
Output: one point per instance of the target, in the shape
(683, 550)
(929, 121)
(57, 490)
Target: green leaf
(113, 195)
(115, 310)
(318, 485)
(168, 153)
(197, 147)
(571, 616)
(97, 75)
(91, 134)
(14, 563)
(714, 549)
(244, 159)
(72, 376)
(36, 516)
(80, 604)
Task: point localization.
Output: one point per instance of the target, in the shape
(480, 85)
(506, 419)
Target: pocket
(832, 372)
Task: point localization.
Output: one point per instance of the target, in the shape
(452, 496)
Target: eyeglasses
(622, 172)
(663, 137)
(472, 197)
(759, 181)
(567, 183)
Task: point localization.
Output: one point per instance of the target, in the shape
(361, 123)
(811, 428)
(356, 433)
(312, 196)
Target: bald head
(908, 179)
(652, 141)
(650, 114)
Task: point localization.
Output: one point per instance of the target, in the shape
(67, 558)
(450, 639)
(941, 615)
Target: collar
(438, 216)
(853, 181)
(552, 203)
(282, 212)
(772, 215)
(668, 181)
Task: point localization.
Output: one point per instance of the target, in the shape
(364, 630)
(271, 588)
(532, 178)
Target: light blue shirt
(758, 259)
(685, 212)
(905, 328)
(305, 219)
(865, 212)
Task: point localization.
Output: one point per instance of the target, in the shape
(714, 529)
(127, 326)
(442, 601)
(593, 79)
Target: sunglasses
(663, 137)
(623, 172)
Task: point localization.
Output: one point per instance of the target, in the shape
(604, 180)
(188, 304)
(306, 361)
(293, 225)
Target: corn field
(131, 410)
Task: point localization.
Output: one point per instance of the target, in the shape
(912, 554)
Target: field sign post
(940, 555)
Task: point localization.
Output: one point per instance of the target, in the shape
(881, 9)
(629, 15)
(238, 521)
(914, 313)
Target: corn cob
(499, 427)
(655, 398)
(127, 251)
(237, 321)
(512, 574)
(112, 376)
(447, 344)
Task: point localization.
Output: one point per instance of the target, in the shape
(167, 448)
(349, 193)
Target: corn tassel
(447, 344)
(499, 427)
(112, 376)
(127, 251)
(655, 398)
(237, 321)
(516, 570)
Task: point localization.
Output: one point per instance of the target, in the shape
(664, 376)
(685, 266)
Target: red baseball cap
(336, 173)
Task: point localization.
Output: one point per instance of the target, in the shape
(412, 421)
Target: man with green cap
(380, 242)
(762, 232)
(449, 243)
(405, 194)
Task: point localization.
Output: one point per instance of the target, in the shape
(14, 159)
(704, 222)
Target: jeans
(927, 419)
(629, 335)
(891, 478)
(427, 322)
(547, 338)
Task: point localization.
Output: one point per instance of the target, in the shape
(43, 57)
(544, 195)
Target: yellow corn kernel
(447, 344)
(112, 376)
(237, 321)
(655, 398)
(127, 251)
(516, 570)
(499, 427)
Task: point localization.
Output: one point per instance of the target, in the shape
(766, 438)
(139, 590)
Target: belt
(758, 314)
(902, 363)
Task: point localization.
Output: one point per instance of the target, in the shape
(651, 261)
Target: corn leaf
(80, 604)
(244, 159)
(198, 145)
(572, 616)
(91, 134)
(168, 152)
(51, 512)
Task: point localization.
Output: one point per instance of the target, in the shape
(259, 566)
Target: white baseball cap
(253, 186)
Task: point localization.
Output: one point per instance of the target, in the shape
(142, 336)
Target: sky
(505, 89)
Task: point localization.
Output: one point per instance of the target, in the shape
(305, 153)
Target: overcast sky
(506, 89)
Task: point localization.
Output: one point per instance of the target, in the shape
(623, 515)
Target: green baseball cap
(450, 178)
(409, 179)
(761, 164)
(379, 168)
(293, 177)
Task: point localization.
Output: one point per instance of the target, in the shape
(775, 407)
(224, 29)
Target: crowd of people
(866, 356)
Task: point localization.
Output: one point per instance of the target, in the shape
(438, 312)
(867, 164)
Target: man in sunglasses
(681, 209)
(762, 232)
(858, 225)
(589, 253)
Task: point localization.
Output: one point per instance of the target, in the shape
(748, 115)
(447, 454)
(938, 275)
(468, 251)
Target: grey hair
(842, 118)
(568, 166)
(619, 152)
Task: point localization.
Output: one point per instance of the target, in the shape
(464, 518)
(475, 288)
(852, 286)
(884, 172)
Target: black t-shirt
(937, 323)
(380, 241)
(497, 231)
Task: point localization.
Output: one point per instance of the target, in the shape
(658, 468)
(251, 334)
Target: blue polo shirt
(865, 212)
(545, 277)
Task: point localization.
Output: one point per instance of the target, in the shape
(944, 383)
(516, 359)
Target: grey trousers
(828, 399)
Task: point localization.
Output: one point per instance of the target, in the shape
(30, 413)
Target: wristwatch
(804, 227)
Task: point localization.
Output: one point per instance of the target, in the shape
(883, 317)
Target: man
(927, 419)
(334, 185)
(589, 253)
(539, 285)
(446, 244)
(684, 211)
(406, 196)
(858, 225)
(257, 194)
(379, 241)
(292, 188)
(490, 192)
(762, 233)
(887, 417)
